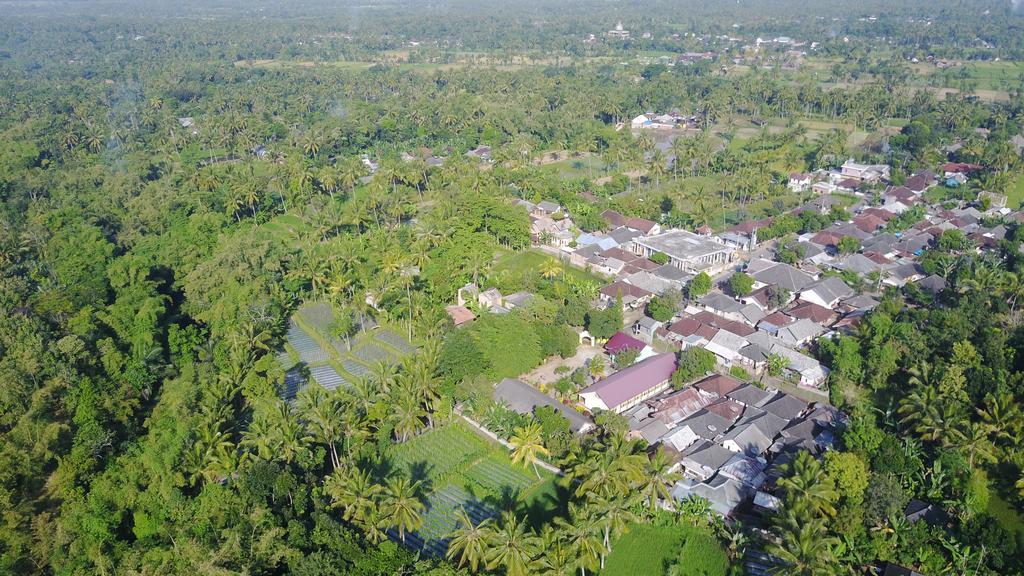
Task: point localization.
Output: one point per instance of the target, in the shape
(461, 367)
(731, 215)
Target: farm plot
(371, 354)
(328, 377)
(305, 346)
(355, 368)
(294, 382)
(439, 452)
(439, 520)
(318, 316)
(395, 341)
(498, 477)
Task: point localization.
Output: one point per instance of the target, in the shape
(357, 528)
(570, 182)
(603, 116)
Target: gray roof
(682, 245)
(707, 456)
(933, 284)
(755, 353)
(882, 243)
(724, 494)
(752, 313)
(830, 289)
(861, 302)
(523, 398)
(707, 425)
(769, 424)
(623, 235)
(750, 438)
(858, 263)
(785, 276)
(721, 302)
(800, 331)
(548, 206)
(670, 272)
(786, 406)
(906, 271)
(751, 395)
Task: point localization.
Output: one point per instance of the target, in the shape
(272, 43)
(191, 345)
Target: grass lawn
(644, 550)
(1008, 517)
(649, 550)
(1015, 193)
(519, 263)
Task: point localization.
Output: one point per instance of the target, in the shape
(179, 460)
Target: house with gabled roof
(766, 272)
(826, 292)
(630, 386)
(522, 398)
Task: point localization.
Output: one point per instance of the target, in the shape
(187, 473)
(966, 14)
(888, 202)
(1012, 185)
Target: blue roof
(587, 239)
(607, 243)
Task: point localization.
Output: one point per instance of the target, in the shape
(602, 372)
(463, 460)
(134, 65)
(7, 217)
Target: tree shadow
(547, 506)
(420, 472)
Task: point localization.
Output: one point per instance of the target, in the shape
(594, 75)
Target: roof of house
(868, 222)
(524, 399)
(612, 290)
(785, 276)
(718, 384)
(634, 380)
(745, 469)
(721, 302)
(738, 328)
(809, 311)
(620, 342)
(932, 284)
(724, 494)
(613, 218)
(705, 456)
(800, 331)
(857, 263)
(670, 272)
(919, 510)
(682, 244)
(830, 289)
(707, 425)
(726, 408)
(750, 438)
(460, 314)
(778, 319)
(640, 224)
(682, 404)
(751, 395)
(785, 406)
(726, 344)
(549, 207)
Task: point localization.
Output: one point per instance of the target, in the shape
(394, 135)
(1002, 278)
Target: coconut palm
(657, 479)
(550, 268)
(469, 542)
(804, 488)
(401, 505)
(513, 547)
(528, 446)
(803, 548)
(355, 492)
(582, 534)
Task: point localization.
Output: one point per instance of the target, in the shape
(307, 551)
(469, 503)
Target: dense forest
(177, 179)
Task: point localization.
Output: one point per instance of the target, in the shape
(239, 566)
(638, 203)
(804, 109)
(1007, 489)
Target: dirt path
(545, 373)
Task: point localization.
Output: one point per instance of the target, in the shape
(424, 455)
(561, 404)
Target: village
(750, 313)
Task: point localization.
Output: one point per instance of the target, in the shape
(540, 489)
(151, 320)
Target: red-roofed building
(460, 315)
(879, 213)
(613, 218)
(719, 384)
(868, 223)
(620, 342)
(631, 386)
(960, 168)
(645, 226)
(630, 294)
(811, 311)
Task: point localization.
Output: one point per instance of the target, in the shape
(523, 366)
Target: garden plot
(328, 377)
(395, 341)
(440, 520)
(498, 477)
(305, 346)
(294, 382)
(438, 452)
(371, 354)
(355, 368)
(318, 316)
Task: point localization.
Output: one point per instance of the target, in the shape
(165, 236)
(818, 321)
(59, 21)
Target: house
(613, 218)
(779, 274)
(620, 342)
(627, 388)
(646, 327)
(812, 312)
(826, 292)
(930, 514)
(800, 332)
(643, 226)
(522, 398)
(799, 182)
(718, 384)
(703, 459)
(618, 33)
(632, 296)
(751, 395)
(811, 373)
(707, 424)
(686, 251)
(678, 406)
(748, 439)
(786, 406)
(932, 284)
(724, 494)
(480, 152)
(518, 299)
(726, 346)
(869, 173)
(460, 315)
(489, 298)
(772, 323)
(468, 293)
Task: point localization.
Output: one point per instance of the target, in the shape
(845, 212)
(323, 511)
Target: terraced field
(329, 361)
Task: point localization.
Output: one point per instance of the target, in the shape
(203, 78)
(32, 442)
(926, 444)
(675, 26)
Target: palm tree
(973, 439)
(401, 505)
(550, 268)
(803, 548)
(528, 446)
(469, 542)
(804, 488)
(513, 547)
(355, 492)
(323, 414)
(582, 533)
(657, 479)
(1003, 416)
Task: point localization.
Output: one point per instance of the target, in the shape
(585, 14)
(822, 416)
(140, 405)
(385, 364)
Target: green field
(649, 550)
(461, 469)
(518, 264)
(1015, 193)
(1008, 517)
